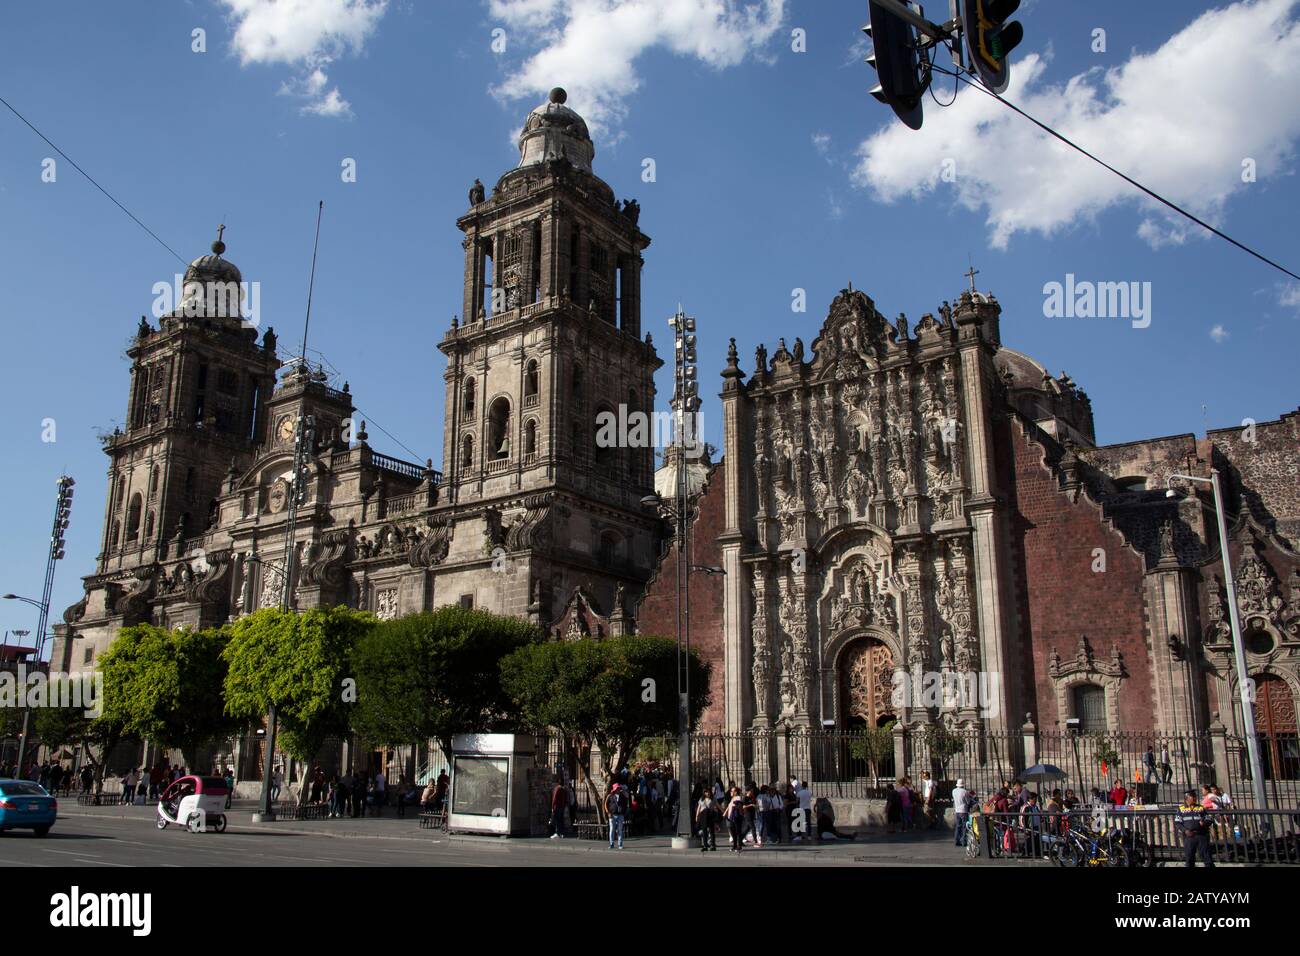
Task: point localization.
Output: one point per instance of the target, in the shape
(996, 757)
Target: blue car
(25, 805)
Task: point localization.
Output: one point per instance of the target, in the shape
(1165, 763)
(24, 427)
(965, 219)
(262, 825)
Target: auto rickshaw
(196, 803)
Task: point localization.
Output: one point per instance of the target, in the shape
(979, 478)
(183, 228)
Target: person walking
(277, 783)
(381, 793)
(559, 806)
(1149, 762)
(750, 807)
(734, 815)
(960, 815)
(928, 792)
(616, 805)
(1191, 820)
(229, 777)
(804, 796)
(906, 798)
(893, 808)
(1166, 768)
(706, 815)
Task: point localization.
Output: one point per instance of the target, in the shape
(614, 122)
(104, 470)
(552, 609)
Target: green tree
(610, 693)
(873, 746)
(166, 686)
(433, 675)
(300, 664)
(943, 744)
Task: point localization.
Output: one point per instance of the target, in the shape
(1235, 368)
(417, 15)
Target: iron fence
(861, 764)
(1116, 837)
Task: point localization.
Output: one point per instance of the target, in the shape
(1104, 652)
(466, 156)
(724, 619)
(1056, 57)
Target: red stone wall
(1059, 596)
(657, 612)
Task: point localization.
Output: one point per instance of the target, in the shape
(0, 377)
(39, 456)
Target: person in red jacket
(1118, 795)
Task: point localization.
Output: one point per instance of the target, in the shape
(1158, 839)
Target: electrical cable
(1128, 179)
(91, 179)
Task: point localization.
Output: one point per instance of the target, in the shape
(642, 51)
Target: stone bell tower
(200, 383)
(549, 347)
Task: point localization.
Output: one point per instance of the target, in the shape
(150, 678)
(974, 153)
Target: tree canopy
(612, 693)
(434, 675)
(166, 686)
(298, 662)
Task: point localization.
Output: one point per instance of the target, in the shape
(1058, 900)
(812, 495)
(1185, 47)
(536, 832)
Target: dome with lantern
(553, 131)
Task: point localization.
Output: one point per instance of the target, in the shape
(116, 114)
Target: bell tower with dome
(549, 339)
(200, 382)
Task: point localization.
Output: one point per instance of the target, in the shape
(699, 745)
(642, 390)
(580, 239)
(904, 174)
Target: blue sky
(775, 171)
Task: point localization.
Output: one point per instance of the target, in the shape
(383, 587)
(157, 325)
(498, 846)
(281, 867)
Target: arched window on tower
(120, 502)
(530, 441)
(467, 453)
(133, 517)
(532, 378)
(153, 483)
(603, 455)
(467, 405)
(578, 384)
(148, 528)
(115, 536)
(498, 447)
(489, 277)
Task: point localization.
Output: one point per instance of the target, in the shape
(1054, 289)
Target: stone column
(1170, 596)
(983, 507)
(736, 614)
(762, 647)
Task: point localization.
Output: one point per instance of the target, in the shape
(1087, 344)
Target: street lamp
(39, 605)
(1239, 652)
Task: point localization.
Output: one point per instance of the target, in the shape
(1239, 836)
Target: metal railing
(860, 764)
(1123, 837)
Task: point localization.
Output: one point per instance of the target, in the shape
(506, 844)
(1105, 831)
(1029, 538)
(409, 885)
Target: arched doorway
(866, 684)
(1275, 722)
(866, 696)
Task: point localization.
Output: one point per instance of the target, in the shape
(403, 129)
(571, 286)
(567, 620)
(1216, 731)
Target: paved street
(126, 836)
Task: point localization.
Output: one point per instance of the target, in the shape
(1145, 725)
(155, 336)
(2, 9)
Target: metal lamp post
(686, 403)
(303, 446)
(62, 515)
(1238, 647)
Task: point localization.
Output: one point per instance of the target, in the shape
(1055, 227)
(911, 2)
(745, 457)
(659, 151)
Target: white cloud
(1219, 333)
(308, 35)
(834, 208)
(821, 142)
(1288, 295)
(590, 47)
(1180, 119)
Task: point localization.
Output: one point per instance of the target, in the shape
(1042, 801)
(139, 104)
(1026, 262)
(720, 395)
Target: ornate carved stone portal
(867, 684)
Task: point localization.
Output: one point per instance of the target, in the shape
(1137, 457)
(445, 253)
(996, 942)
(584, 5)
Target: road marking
(65, 852)
(103, 863)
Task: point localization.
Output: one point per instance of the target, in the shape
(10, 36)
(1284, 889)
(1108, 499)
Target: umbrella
(1042, 772)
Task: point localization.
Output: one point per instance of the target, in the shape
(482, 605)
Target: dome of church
(666, 475)
(1018, 369)
(213, 286)
(554, 131)
(213, 268)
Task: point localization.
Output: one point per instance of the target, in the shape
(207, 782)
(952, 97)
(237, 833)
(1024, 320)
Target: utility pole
(303, 446)
(62, 514)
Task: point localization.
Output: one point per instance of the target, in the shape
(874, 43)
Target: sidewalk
(871, 846)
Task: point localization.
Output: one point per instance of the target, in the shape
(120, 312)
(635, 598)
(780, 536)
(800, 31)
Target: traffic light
(990, 39)
(896, 57)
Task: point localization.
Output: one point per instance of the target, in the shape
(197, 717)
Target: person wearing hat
(960, 816)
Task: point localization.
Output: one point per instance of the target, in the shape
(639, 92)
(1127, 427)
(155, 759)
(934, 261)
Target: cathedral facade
(913, 523)
(531, 515)
(917, 525)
